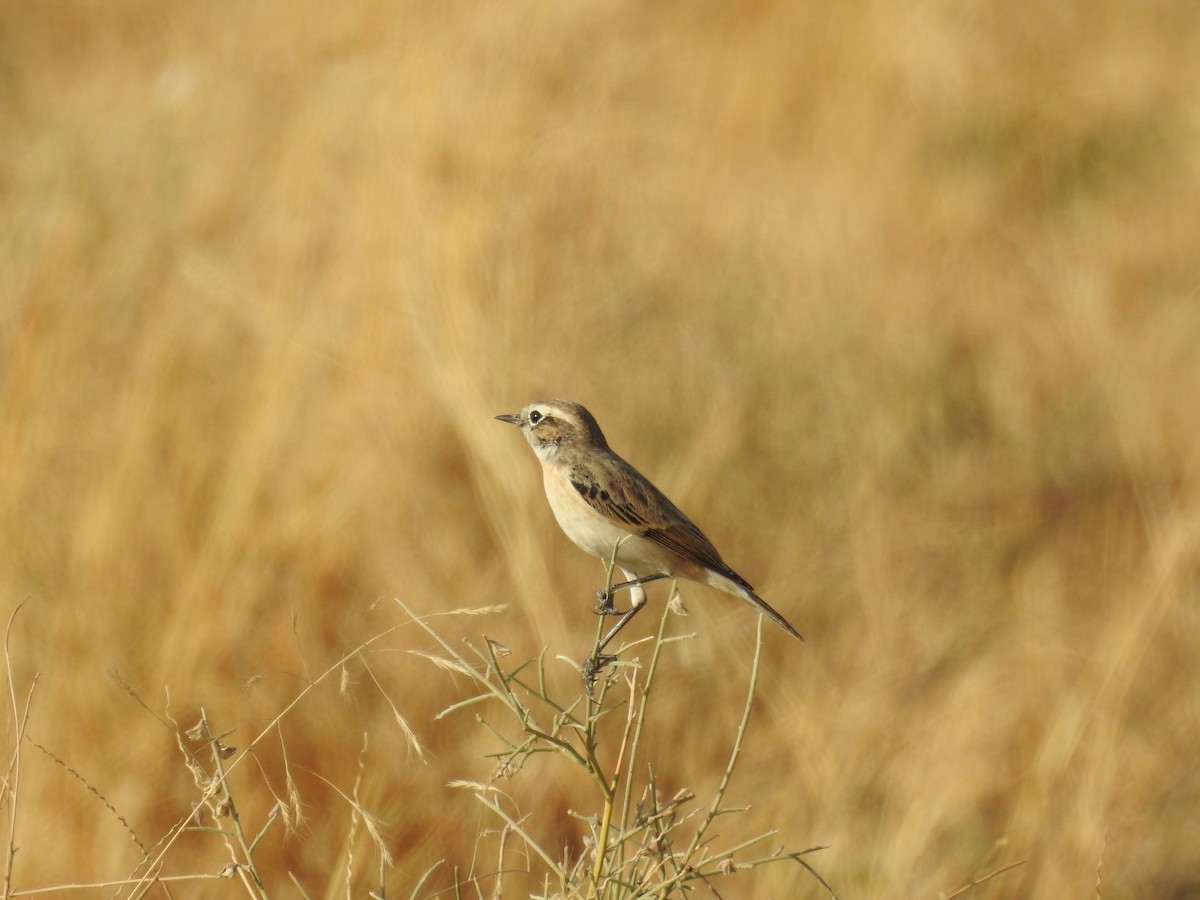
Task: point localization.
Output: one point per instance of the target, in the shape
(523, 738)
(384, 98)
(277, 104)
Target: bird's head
(552, 425)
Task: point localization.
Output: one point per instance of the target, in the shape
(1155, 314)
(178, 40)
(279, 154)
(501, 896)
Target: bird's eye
(535, 417)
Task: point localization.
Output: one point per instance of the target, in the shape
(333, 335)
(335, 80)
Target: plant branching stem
(639, 727)
(234, 816)
(608, 788)
(737, 745)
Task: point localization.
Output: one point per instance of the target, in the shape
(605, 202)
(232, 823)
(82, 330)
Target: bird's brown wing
(690, 543)
(619, 492)
(627, 497)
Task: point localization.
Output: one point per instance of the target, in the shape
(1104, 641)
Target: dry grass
(901, 302)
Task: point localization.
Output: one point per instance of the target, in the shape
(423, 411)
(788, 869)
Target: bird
(611, 510)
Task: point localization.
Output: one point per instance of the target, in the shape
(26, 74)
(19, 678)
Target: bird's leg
(599, 659)
(605, 595)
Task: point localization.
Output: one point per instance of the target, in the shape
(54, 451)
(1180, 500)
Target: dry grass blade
(360, 813)
(450, 665)
(410, 736)
(91, 789)
(425, 876)
(988, 877)
(97, 885)
(12, 775)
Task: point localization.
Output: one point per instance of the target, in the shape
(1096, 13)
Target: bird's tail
(774, 615)
(741, 589)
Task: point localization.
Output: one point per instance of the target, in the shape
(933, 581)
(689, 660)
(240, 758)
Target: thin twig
(639, 728)
(737, 745)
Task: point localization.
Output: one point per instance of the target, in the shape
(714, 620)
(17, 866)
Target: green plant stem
(525, 835)
(639, 727)
(602, 843)
(737, 745)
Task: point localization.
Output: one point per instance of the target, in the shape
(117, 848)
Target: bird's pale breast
(595, 532)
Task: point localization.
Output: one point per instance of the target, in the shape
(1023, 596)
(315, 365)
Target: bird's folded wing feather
(633, 501)
(690, 543)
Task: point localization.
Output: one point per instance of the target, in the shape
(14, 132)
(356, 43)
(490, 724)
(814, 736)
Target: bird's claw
(605, 600)
(595, 663)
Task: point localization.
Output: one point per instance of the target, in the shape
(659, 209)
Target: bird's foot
(593, 666)
(604, 598)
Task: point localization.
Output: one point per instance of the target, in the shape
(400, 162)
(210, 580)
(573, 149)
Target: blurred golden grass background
(901, 302)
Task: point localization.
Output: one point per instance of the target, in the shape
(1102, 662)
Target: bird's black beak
(511, 419)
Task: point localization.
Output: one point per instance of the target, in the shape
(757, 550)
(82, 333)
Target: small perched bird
(601, 501)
